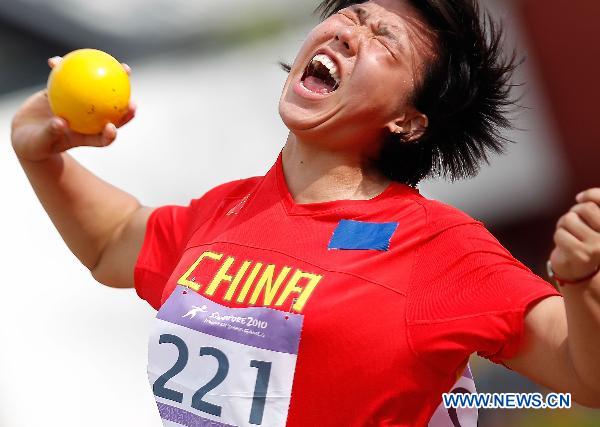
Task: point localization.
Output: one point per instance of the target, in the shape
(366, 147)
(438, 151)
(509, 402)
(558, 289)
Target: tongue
(315, 84)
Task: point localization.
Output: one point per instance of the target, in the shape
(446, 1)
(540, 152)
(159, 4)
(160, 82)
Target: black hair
(464, 92)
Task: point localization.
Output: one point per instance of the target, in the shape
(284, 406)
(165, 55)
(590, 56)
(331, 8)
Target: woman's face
(352, 80)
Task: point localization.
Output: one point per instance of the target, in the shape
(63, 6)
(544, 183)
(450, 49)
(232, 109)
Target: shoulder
(233, 189)
(427, 222)
(442, 218)
(453, 238)
(237, 188)
(202, 207)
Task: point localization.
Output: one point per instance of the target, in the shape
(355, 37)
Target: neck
(314, 174)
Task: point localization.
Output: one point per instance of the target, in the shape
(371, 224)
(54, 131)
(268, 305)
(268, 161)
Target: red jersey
(396, 292)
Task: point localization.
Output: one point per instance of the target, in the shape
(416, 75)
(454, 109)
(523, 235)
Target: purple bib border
(270, 330)
(185, 418)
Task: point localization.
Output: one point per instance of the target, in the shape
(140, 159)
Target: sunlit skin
(332, 137)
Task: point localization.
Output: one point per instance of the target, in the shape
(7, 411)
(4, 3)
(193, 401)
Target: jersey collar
(394, 189)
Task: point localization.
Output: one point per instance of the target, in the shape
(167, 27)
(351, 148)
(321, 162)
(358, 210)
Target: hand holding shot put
(90, 98)
(87, 112)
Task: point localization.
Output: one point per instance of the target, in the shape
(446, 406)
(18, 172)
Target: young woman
(329, 291)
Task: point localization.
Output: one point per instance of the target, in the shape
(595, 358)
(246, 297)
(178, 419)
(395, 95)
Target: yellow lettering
(236, 280)
(242, 296)
(304, 292)
(272, 288)
(221, 276)
(184, 280)
(270, 284)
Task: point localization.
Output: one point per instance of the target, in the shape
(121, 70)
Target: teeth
(329, 63)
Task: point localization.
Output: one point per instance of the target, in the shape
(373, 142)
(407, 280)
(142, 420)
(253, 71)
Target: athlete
(335, 293)
(195, 310)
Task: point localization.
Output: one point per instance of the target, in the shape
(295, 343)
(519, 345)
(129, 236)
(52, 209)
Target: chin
(294, 117)
(305, 123)
(300, 116)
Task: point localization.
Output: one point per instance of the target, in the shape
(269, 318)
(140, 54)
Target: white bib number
(210, 365)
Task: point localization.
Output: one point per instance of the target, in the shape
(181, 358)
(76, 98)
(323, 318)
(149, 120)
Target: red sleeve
(167, 232)
(469, 294)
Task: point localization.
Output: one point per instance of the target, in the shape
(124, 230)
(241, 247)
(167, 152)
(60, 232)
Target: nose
(346, 37)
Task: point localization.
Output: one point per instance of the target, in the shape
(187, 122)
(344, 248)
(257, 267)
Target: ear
(412, 125)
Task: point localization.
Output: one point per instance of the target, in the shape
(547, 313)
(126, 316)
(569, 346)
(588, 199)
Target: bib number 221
(217, 366)
(263, 373)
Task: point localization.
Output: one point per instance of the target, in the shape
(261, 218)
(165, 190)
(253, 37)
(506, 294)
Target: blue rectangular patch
(351, 234)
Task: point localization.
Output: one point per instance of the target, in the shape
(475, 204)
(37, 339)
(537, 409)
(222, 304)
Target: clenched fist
(577, 238)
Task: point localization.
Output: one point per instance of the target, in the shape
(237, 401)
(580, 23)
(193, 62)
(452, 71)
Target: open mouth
(321, 75)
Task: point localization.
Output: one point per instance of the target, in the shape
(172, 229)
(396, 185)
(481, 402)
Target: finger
(127, 68)
(103, 139)
(57, 130)
(590, 213)
(130, 114)
(570, 244)
(109, 134)
(45, 137)
(590, 195)
(573, 223)
(53, 132)
(54, 61)
(58, 125)
(74, 139)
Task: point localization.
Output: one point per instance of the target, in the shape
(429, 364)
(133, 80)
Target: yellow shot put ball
(89, 88)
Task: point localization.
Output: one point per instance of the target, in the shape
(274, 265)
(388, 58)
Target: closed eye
(386, 42)
(386, 45)
(390, 39)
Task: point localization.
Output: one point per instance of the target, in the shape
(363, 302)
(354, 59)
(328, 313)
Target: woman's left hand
(577, 238)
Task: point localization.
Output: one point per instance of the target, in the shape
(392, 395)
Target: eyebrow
(361, 13)
(362, 18)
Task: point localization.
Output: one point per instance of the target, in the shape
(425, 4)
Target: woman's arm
(562, 335)
(102, 225)
(97, 221)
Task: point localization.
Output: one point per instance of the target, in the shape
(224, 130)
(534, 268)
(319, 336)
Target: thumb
(56, 126)
(53, 131)
(36, 141)
(56, 136)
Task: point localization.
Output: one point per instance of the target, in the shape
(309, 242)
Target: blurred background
(206, 79)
